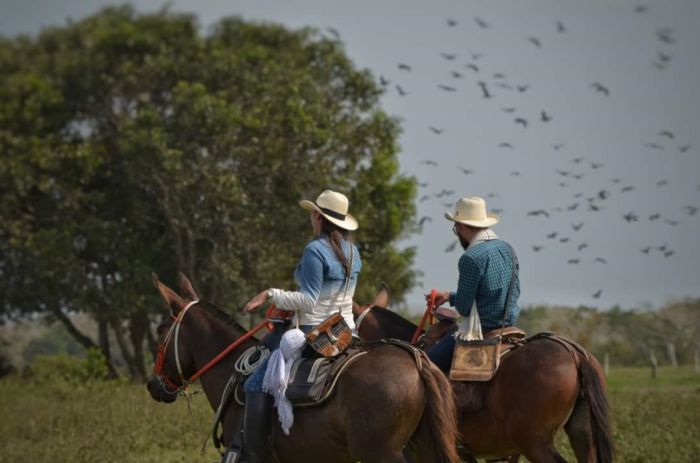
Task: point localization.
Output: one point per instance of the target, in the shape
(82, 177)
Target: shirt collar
(482, 235)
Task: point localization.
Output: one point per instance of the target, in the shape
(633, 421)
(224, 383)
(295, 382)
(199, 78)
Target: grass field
(653, 421)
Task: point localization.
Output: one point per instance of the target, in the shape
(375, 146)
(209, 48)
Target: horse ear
(174, 302)
(382, 298)
(186, 289)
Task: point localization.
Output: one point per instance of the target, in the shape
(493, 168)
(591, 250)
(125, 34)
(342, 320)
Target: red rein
(428, 313)
(160, 359)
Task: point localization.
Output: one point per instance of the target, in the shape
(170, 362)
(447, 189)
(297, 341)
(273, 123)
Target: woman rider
(320, 275)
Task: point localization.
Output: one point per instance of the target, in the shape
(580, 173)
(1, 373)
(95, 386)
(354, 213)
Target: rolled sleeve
(469, 276)
(310, 278)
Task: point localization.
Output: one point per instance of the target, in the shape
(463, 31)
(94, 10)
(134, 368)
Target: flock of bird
(486, 84)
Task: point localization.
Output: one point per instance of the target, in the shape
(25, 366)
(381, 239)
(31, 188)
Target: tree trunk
(671, 352)
(103, 341)
(654, 363)
(128, 358)
(84, 340)
(697, 360)
(138, 325)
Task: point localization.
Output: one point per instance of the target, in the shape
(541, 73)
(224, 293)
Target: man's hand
(440, 298)
(256, 302)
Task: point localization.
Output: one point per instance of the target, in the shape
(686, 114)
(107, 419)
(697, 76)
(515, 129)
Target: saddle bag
(475, 360)
(331, 337)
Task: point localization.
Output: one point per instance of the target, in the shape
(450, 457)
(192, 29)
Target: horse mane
(220, 315)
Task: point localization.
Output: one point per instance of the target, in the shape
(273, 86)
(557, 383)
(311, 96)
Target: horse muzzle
(159, 390)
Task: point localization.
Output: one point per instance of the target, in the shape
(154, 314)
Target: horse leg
(578, 430)
(543, 453)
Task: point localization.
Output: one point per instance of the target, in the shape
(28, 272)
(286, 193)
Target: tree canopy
(134, 143)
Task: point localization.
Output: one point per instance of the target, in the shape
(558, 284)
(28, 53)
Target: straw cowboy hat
(334, 207)
(472, 211)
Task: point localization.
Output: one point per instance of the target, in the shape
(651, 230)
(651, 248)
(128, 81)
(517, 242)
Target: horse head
(173, 362)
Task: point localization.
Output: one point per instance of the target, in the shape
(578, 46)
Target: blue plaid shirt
(485, 271)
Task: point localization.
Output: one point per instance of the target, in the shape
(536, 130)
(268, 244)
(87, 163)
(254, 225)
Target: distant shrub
(68, 369)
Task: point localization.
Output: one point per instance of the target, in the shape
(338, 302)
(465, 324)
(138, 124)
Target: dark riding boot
(257, 426)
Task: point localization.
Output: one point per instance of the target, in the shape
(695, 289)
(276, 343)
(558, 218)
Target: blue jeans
(255, 381)
(442, 351)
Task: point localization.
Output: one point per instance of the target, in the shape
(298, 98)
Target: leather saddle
(312, 381)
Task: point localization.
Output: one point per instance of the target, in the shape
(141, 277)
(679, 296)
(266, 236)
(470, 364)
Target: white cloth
(277, 374)
(310, 312)
(469, 329)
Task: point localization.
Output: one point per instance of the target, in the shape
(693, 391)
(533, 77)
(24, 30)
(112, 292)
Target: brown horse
(383, 401)
(539, 388)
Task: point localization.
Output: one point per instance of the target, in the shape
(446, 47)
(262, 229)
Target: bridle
(170, 387)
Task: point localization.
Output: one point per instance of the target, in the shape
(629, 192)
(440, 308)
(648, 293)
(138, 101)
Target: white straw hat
(334, 207)
(472, 211)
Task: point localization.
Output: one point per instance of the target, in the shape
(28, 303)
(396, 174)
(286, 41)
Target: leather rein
(169, 386)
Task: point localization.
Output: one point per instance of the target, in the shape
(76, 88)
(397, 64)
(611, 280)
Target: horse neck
(209, 337)
(383, 323)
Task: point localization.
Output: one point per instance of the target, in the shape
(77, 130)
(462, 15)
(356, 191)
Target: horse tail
(593, 388)
(436, 437)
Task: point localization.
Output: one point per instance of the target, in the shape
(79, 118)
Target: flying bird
(451, 247)
(481, 23)
(384, 81)
(654, 216)
(522, 88)
(641, 8)
(600, 88)
(334, 32)
(429, 163)
(552, 235)
(538, 212)
(683, 149)
(630, 217)
(558, 146)
(665, 35)
(582, 246)
(466, 171)
(451, 22)
(655, 146)
(672, 223)
(692, 210)
(596, 165)
(499, 75)
(646, 250)
(424, 198)
(401, 91)
(449, 56)
(564, 240)
(515, 173)
(574, 261)
(597, 294)
(456, 74)
(504, 85)
(476, 56)
(484, 89)
(576, 226)
(545, 117)
(505, 145)
(664, 57)
(627, 188)
(444, 193)
(668, 253)
(601, 260)
(560, 27)
(535, 41)
(436, 131)
(536, 248)
(577, 160)
(404, 67)
(424, 219)
(520, 120)
(447, 88)
(473, 67)
(603, 194)
(508, 110)
(666, 133)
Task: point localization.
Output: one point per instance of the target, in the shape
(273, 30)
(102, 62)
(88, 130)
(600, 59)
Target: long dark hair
(336, 235)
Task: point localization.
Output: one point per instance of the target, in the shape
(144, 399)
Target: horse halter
(168, 386)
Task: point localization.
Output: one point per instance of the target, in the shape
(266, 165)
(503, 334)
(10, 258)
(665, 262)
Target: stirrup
(231, 456)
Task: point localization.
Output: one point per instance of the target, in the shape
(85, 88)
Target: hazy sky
(636, 168)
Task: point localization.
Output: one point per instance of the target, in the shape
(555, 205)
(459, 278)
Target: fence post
(671, 352)
(654, 363)
(697, 360)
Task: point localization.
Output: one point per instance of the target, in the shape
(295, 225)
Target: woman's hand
(440, 298)
(256, 302)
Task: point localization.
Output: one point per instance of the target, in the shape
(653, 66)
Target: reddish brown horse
(539, 388)
(383, 401)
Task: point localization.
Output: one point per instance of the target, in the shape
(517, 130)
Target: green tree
(134, 143)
